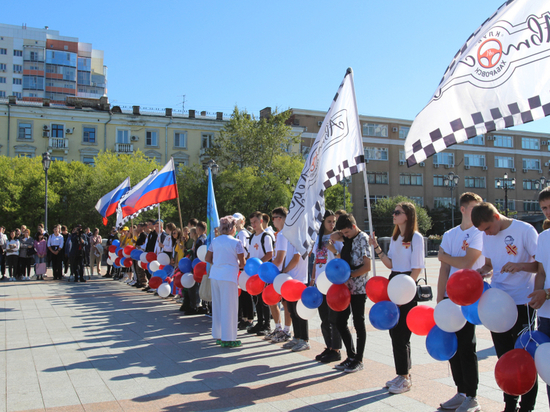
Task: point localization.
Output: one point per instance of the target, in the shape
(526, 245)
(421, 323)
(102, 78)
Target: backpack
(264, 234)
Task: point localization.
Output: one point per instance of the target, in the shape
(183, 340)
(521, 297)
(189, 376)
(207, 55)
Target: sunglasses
(397, 212)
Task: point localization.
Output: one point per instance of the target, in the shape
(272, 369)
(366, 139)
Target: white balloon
(279, 280)
(143, 257)
(154, 265)
(243, 277)
(448, 316)
(113, 256)
(542, 354)
(163, 259)
(110, 262)
(164, 290)
(187, 280)
(401, 289)
(497, 310)
(303, 312)
(322, 282)
(201, 252)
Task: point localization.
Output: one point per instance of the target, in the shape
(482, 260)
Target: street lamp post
(506, 185)
(450, 182)
(211, 165)
(345, 182)
(46, 160)
(541, 183)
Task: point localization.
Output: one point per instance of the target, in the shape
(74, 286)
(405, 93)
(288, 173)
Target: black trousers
(340, 321)
(12, 262)
(464, 363)
(505, 342)
(25, 264)
(299, 325)
(57, 265)
(77, 267)
(330, 332)
(246, 307)
(264, 314)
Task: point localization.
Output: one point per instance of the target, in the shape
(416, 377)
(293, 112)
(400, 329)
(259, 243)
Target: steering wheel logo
(489, 53)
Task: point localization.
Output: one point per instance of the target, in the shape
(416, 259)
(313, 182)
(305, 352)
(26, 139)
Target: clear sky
(284, 54)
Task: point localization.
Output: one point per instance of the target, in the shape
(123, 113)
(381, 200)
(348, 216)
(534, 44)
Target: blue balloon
(384, 315)
(169, 269)
(311, 297)
(122, 261)
(161, 273)
(338, 271)
(268, 272)
(116, 242)
(194, 263)
(252, 266)
(136, 254)
(441, 345)
(531, 341)
(470, 311)
(185, 265)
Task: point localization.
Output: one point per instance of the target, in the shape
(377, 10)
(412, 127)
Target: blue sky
(280, 54)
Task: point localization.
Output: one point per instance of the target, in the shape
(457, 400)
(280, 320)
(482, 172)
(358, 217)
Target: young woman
(26, 252)
(405, 256)
(324, 251)
(12, 255)
(41, 249)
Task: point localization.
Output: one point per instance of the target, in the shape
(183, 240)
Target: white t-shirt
(243, 236)
(255, 248)
(517, 243)
(225, 265)
(323, 255)
(543, 257)
(300, 270)
(168, 247)
(407, 256)
(456, 242)
(280, 244)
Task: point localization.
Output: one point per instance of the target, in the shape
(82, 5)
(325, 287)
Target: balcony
(203, 153)
(58, 143)
(124, 148)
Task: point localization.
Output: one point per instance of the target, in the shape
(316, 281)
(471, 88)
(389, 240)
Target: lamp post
(345, 182)
(506, 185)
(211, 165)
(450, 182)
(541, 183)
(288, 182)
(46, 160)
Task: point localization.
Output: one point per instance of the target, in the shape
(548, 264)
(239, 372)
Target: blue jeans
(544, 327)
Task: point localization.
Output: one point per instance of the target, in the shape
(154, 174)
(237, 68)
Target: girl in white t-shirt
(405, 256)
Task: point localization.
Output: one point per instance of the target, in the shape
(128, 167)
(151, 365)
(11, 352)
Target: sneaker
(401, 386)
(454, 402)
(470, 404)
(342, 366)
(290, 344)
(302, 345)
(323, 353)
(264, 331)
(331, 356)
(282, 336)
(255, 329)
(244, 324)
(354, 366)
(390, 383)
(272, 334)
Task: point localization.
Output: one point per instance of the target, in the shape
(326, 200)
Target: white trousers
(225, 309)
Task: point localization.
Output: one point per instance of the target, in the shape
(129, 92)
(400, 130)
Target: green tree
(382, 216)
(334, 198)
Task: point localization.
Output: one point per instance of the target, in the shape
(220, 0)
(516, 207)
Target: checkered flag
(500, 78)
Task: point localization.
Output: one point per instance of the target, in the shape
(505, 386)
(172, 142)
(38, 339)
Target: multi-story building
(482, 163)
(40, 63)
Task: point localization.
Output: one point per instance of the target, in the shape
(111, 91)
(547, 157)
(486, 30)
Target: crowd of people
(508, 251)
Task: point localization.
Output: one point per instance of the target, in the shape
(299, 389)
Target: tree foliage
(382, 216)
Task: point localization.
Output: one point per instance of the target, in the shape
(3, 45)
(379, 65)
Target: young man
(260, 246)
(356, 252)
(509, 247)
(461, 249)
(540, 298)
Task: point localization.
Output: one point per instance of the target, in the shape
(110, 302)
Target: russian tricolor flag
(107, 205)
(156, 188)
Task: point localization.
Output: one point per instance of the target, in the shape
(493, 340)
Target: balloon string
(528, 328)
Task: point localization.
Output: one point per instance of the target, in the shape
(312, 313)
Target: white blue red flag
(122, 218)
(108, 204)
(500, 78)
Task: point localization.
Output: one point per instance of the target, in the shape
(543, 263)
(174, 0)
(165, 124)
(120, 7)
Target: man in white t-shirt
(509, 247)
(461, 249)
(260, 246)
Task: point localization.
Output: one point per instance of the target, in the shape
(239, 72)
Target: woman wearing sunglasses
(405, 256)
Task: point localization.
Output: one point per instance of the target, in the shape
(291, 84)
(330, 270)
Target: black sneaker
(264, 331)
(255, 329)
(342, 366)
(331, 356)
(323, 353)
(354, 366)
(244, 324)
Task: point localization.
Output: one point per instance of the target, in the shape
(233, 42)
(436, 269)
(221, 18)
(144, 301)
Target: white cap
(239, 216)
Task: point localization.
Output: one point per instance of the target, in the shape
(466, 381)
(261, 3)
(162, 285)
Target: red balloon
(120, 254)
(155, 282)
(240, 290)
(150, 257)
(270, 296)
(377, 289)
(420, 320)
(112, 248)
(177, 280)
(199, 271)
(254, 285)
(128, 249)
(117, 261)
(465, 287)
(515, 372)
(338, 297)
(143, 265)
(128, 262)
(292, 290)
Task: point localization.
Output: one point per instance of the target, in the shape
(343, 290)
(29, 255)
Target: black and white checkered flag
(500, 78)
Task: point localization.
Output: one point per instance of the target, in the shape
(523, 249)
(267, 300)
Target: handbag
(423, 292)
(205, 289)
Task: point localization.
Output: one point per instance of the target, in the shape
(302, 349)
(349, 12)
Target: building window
(3, 51)
(2, 80)
(377, 178)
(376, 153)
(3, 67)
(503, 141)
(17, 81)
(151, 138)
(511, 204)
(58, 130)
(88, 135)
(206, 140)
(444, 158)
(18, 53)
(475, 182)
(401, 155)
(438, 180)
(479, 140)
(529, 184)
(443, 202)
(25, 131)
(180, 140)
(531, 206)
(57, 158)
(531, 164)
(2, 93)
(88, 160)
(17, 68)
(373, 199)
(17, 94)
(123, 136)
(505, 182)
(403, 132)
(419, 200)
(504, 162)
(410, 179)
(530, 143)
(474, 160)
(374, 129)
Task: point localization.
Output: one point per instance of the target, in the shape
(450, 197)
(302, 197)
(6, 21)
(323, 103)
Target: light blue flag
(212, 217)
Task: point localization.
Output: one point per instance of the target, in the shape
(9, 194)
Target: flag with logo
(336, 153)
(108, 204)
(498, 79)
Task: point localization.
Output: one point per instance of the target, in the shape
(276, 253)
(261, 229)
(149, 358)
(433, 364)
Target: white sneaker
(394, 380)
(401, 386)
(132, 283)
(271, 335)
(454, 402)
(302, 345)
(470, 404)
(291, 344)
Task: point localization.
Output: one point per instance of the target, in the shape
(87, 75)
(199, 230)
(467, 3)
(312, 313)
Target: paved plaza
(104, 346)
